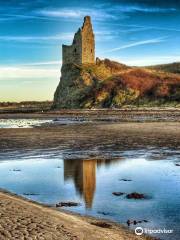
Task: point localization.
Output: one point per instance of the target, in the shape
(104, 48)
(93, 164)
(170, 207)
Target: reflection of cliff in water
(83, 172)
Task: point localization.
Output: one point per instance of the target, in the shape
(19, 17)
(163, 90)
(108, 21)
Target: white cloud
(145, 9)
(100, 35)
(77, 13)
(66, 13)
(145, 27)
(48, 63)
(62, 36)
(97, 13)
(101, 12)
(148, 60)
(138, 43)
(11, 17)
(25, 73)
(33, 81)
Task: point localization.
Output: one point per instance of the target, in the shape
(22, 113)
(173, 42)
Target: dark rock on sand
(135, 222)
(67, 204)
(128, 222)
(103, 213)
(102, 224)
(56, 119)
(118, 193)
(135, 195)
(125, 180)
(30, 194)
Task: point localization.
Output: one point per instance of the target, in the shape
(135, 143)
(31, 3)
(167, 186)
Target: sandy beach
(22, 219)
(85, 136)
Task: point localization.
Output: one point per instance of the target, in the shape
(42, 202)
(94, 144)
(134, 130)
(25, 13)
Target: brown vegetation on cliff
(111, 84)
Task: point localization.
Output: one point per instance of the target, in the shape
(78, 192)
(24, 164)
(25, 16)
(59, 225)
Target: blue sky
(135, 32)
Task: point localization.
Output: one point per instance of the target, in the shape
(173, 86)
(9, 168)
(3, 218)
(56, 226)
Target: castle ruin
(82, 49)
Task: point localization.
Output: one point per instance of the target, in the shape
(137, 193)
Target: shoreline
(89, 112)
(26, 219)
(101, 116)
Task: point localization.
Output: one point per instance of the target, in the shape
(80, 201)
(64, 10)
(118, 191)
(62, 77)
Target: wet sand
(22, 219)
(91, 136)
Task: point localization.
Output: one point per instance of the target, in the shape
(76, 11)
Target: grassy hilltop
(108, 84)
(171, 68)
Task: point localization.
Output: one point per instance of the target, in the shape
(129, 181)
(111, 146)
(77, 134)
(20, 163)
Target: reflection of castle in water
(83, 172)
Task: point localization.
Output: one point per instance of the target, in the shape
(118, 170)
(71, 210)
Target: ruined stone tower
(82, 49)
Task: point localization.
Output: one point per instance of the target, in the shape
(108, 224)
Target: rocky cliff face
(78, 82)
(111, 84)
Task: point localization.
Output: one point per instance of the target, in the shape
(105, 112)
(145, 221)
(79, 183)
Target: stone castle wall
(88, 43)
(82, 49)
(73, 53)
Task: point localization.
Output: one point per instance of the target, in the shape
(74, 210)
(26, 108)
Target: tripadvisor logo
(139, 231)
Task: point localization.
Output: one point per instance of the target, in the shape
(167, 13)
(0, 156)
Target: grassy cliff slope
(109, 84)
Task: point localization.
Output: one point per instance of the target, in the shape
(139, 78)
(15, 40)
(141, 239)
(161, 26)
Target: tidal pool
(22, 123)
(53, 176)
